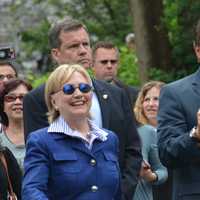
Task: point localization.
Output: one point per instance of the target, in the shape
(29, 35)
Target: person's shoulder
(133, 92)
(37, 91)
(100, 84)
(181, 83)
(5, 150)
(146, 127)
(133, 88)
(147, 130)
(179, 87)
(40, 134)
(111, 135)
(112, 140)
(7, 153)
(35, 96)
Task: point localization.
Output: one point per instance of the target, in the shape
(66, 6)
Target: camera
(7, 53)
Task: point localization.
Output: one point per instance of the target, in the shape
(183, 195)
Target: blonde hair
(56, 80)
(138, 109)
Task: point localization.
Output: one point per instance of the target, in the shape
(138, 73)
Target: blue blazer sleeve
(118, 195)
(36, 167)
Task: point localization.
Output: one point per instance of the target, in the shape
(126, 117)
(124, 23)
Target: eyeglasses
(104, 62)
(8, 76)
(83, 87)
(13, 97)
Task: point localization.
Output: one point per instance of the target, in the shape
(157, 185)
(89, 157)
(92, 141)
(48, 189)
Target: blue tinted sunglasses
(83, 87)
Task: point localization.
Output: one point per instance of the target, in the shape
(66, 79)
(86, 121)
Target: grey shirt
(148, 138)
(17, 150)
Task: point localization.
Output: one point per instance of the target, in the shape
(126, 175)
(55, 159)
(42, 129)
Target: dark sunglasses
(13, 97)
(83, 87)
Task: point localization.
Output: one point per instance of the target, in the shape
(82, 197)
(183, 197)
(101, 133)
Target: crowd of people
(82, 138)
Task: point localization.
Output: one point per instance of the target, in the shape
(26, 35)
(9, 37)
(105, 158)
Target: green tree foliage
(37, 80)
(181, 18)
(128, 69)
(107, 19)
(167, 77)
(35, 38)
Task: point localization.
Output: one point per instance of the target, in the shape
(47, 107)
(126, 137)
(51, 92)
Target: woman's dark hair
(9, 86)
(12, 64)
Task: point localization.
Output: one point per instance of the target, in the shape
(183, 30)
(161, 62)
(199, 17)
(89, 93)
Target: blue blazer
(117, 116)
(179, 103)
(59, 167)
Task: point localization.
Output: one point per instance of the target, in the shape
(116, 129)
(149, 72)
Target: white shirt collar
(61, 126)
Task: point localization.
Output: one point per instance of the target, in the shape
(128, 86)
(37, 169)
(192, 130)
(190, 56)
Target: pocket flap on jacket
(65, 156)
(110, 156)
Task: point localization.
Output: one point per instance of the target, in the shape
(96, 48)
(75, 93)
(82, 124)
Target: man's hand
(196, 131)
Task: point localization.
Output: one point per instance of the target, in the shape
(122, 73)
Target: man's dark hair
(65, 25)
(105, 45)
(12, 64)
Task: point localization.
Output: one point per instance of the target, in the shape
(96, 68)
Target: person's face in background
(13, 103)
(6, 73)
(75, 105)
(197, 52)
(150, 105)
(105, 64)
(74, 49)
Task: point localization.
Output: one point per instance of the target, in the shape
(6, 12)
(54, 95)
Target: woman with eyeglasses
(11, 109)
(73, 158)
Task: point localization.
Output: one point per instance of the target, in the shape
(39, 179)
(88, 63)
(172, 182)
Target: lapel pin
(105, 96)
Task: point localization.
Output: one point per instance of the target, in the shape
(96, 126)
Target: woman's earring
(56, 108)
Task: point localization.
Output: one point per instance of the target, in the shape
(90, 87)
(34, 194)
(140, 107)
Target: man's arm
(176, 147)
(34, 111)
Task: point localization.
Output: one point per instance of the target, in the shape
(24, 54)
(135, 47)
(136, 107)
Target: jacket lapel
(80, 146)
(97, 146)
(74, 143)
(104, 101)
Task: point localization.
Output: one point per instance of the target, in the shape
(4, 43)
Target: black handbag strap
(3, 160)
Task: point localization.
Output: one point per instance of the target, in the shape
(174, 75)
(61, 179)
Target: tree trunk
(152, 44)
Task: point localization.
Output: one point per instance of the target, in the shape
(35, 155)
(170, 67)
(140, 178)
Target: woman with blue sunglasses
(72, 159)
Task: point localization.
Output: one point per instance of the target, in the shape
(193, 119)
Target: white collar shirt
(61, 126)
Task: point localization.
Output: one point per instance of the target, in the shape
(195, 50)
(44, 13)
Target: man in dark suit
(69, 41)
(105, 65)
(179, 141)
